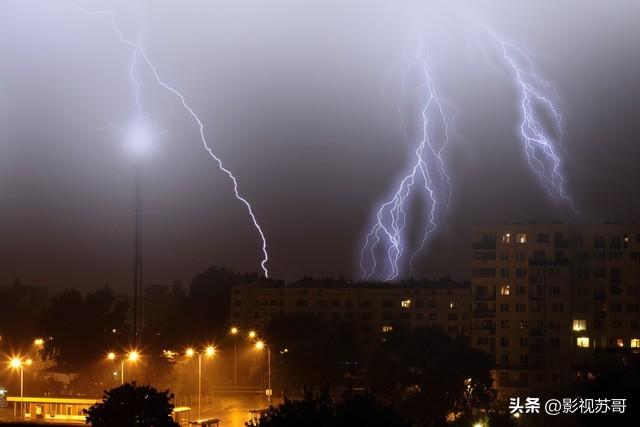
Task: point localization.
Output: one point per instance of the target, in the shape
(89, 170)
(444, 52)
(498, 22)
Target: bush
(130, 405)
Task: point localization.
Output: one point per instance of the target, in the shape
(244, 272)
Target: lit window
(453, 304)
(406, 303)
(506, 238)
(505, 290)
(387, 328)
(619, 342)
(583, 342)
(579, 325)
(635, 343)
(521, 238)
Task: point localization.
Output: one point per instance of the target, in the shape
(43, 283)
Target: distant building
(372, 310)
(549, 299)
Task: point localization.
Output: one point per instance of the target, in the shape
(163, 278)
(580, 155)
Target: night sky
(299, 100)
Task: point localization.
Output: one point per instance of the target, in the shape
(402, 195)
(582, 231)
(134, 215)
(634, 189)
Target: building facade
(372, 310)
(549, 299)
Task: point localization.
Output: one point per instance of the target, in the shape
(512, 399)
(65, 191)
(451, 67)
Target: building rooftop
(309, 282)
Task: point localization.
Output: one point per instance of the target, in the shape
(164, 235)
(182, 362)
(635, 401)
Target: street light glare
(111, 356)
(139, 139)
(28, 362)
(190, 352)
(38, 342)
(252, 334)
(259, 345)
(133, 356)
(15, 363)
(210, 351)
(234, 331)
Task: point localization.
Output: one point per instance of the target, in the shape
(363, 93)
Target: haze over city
(300, 102)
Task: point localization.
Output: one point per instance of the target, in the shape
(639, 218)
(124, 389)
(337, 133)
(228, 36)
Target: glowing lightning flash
(386, 243)
(540, 120)
(139, 52)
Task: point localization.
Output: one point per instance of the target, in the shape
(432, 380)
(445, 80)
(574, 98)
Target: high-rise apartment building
(547, 299)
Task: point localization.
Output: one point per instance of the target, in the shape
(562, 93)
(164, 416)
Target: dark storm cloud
(298, 99)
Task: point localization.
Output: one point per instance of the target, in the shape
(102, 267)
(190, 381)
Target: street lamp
(252, 334)
(234, 333)
(209, 351)
(18, 363)
(133, 356)
(260, 345)
(139, 141)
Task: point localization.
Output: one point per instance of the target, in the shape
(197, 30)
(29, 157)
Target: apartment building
(548, 299)
(371, 309)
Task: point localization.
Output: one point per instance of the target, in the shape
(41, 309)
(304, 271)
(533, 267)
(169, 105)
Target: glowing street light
(209, 351)
(234, 333)
(38, 342)
(252, 334)
(133, 356)
(18, 363)
(260, 345)
(139, 139)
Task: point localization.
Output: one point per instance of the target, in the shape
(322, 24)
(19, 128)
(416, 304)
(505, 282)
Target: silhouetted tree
(322, 411)
(425, 375)
(203, 313)
(618, 378)
(20, 307)
(130, 405)
(80, 329)
(309, 350)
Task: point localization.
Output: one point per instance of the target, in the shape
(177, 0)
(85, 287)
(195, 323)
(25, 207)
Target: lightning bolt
(386, 243)
(540, 130)
(140, 53)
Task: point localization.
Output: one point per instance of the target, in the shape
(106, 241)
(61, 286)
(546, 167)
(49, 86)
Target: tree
(203, 312)
(319, 410)
(425, 375)
(301, 341)
(81, 328)
(20, 307)
(130, 405)
(616, 378)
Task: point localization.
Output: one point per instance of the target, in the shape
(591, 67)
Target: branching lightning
(140, 53)
(386, 245)
(540, 130)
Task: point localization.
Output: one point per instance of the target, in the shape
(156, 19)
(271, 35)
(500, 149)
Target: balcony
(536, 332)
(484, 245)
(558, 262)
(536, 296)
(484, 314)
(536, 349)
(484, 296)
(560, 244)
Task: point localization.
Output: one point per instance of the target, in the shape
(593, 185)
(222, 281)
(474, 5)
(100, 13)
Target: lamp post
(234, 333)
(132, 356)
(260, 345)
(18, 363)
(139, 141)
(209, 352)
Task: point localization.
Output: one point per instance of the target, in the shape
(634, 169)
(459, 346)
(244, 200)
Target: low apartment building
(371, 309)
